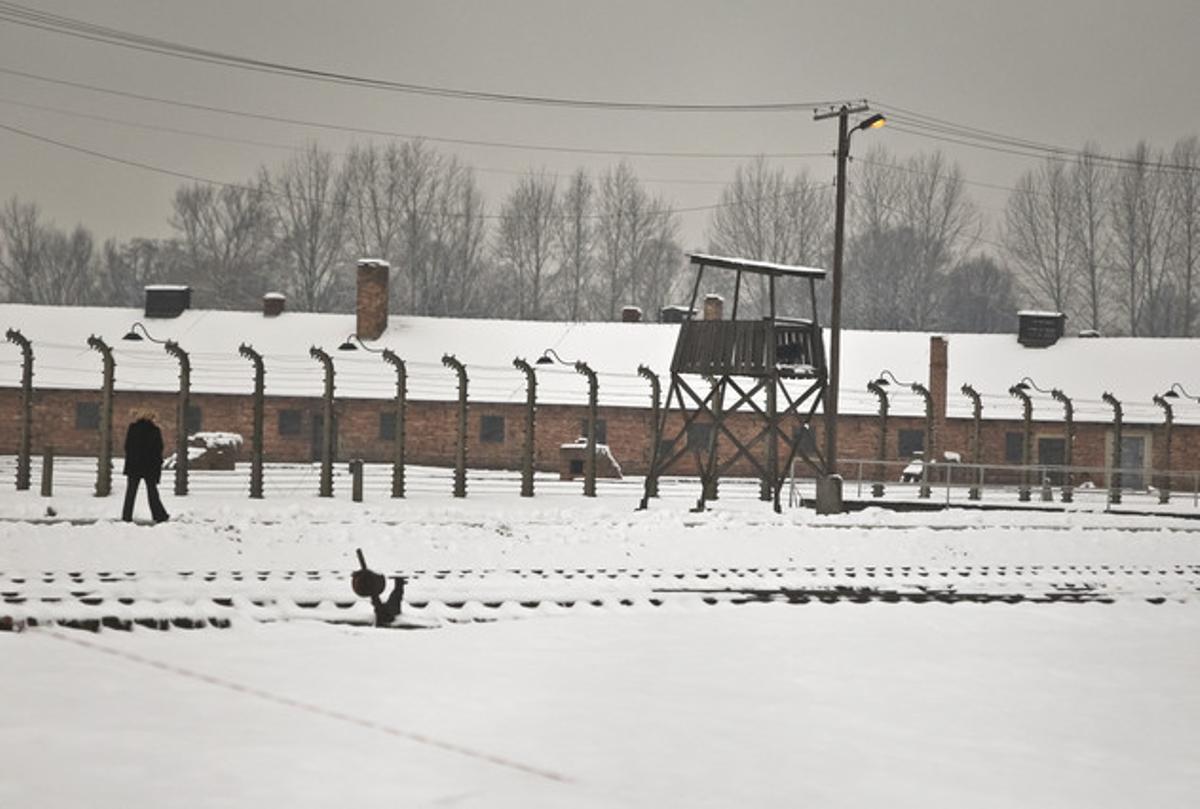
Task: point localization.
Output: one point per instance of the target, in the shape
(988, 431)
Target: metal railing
(951, 482)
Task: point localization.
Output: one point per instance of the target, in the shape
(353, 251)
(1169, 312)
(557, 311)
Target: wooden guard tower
(744, 366)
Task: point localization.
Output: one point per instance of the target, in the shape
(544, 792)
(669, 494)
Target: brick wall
(431, 431)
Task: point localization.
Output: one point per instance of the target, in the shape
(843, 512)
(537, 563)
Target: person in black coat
(143, 462)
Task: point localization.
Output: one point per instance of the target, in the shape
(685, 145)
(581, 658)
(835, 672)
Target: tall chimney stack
(714, 307)
(372, 302)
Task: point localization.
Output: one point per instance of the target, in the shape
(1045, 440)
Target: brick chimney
(631, 314)
(939, 368)
(371, 307)
(714, 307)
(273, 304)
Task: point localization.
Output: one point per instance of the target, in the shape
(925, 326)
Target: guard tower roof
(760, 267)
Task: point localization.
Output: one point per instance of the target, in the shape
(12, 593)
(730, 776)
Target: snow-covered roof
(764, 267)
(1132, 369)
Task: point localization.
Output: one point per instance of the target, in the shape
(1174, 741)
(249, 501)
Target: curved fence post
(589, 462)
(1026, 438)
(25, 442)
(527, 448)
(930, 439)
(256, 440)
(1068, 489)
(104, 465)
(1164, 486)
(1114, 483)
(656, 429)
(460, 433)
(974, 493)
(326, 485)
(877, 488)
(181, 436)
(398, 446)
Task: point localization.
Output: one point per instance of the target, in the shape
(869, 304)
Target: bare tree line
(1112, 243)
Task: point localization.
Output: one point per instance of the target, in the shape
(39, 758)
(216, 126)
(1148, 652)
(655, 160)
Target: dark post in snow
(1026, 438)
(460, 433)
(655, 432)
(256, 439)
(877, 488)
(930, 438)
(401, 415)
(47, 470)
(1068, 489)
(326, 485)
(181, 436)
(104, 466)
(976, 437)
(1164, 486)
(25, 442)
(589, 463)
(1114, 483)
(527, 446)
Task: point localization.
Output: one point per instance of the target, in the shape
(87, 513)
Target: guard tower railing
(789, 347)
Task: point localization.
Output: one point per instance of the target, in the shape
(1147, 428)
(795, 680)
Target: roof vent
(273, 304)
(1089, 333)
(167, 300)
(1039, 329)
(675, 314)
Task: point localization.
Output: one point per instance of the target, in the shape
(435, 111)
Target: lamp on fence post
(655, 429)
(974, 492)
(529, 444)
(181, 405)
(1164, 489)
(256, 440)
(1021, 391)
(877, 488)
(326, 484)
(1114, 485)
(104, 464)
(25, 442)
(1025, 384)
(845, 131)
(352, 343)
(549, 357)
(930, 453)
(460, 449)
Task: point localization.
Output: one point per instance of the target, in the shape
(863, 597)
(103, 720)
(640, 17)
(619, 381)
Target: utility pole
(832, 502)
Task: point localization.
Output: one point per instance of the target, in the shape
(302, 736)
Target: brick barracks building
(67, 379)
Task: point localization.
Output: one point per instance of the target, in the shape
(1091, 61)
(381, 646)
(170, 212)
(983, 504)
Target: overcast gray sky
(1061, 72)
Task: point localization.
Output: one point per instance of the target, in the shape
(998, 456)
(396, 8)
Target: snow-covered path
(687, 703)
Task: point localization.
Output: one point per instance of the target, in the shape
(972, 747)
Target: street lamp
(549, 357)
(133, 335)
(843, 114)
(352, 343)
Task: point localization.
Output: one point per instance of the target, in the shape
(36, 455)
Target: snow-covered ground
(587, 654)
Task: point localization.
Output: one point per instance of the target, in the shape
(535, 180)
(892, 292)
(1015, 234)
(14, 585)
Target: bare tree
(1141, 233)
(309, 196)
(40, 263)
(24, 246)
(459, 236)
(1088, 227)
(1037, 234)
(525, 240)
(979, 297)
(1185, 209)
(575, 242)
(225, 236)
(628, 221)
(126, 269)
(765, 215)
(919, 208)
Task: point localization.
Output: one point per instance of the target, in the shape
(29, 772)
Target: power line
(196, 178)
(360, 130)
(290, 147)
(69, 26)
